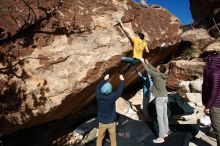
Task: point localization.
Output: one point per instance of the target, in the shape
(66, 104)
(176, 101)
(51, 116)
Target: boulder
(69, 139)
(141, 104)
(125, 108)
(199, 38)
(184, 86)
(196, 86)
(213, 47)
(184, 70)
(93, 134)
(51, 66)
(194, 98)
(122, 106)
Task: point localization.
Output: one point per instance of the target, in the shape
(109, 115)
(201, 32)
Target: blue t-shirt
(147, 83)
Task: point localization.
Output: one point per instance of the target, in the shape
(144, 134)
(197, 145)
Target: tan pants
(112, 133)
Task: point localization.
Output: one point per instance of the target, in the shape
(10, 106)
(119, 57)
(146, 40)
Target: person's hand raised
(106, 77)
(121, 77)
(119, 22)
(146, 61)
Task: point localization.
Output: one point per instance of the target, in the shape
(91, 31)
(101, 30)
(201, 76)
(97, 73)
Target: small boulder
(196, 86)
(194, 98)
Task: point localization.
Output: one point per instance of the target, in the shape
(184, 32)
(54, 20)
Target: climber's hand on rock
(106, 77)
(119, 22)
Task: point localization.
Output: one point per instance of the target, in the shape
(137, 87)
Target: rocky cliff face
(190, 64)
(56, 53)
(197, 43)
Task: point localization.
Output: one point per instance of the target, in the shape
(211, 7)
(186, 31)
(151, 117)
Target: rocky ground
(202, 139)
(133, 108)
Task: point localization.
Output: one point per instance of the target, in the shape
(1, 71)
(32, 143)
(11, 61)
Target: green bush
(188, 53)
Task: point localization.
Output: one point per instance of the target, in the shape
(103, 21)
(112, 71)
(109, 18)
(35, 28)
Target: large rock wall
(49, 69)
(192, 60)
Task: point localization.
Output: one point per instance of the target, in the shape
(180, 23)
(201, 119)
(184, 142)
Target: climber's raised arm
(128, 31)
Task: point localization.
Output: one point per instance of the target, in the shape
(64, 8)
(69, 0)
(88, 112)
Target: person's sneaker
(158, 140)
(167, 134)
(205, 120)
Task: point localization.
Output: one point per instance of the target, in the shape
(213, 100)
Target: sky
(179, 8)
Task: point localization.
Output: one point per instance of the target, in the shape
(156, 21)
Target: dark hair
(162, 68)
(141, 35)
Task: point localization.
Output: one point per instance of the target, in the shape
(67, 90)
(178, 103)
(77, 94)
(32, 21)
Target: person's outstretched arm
(141, 76)
(149, 68)
(128, 31)
(147, 38)
(120, 89)
(98, 87)
(146, 49)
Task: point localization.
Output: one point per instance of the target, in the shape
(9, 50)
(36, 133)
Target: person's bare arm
(128, 31)
(146, 49)
(145, 61)
(121, 87)
(98, 87)
(150, 69)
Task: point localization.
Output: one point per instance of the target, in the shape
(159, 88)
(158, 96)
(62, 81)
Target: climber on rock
(139, 45)
(159, 90)
(106, 108)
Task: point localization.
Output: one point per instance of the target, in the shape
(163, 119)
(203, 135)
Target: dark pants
(215, 119)
(131, 61)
